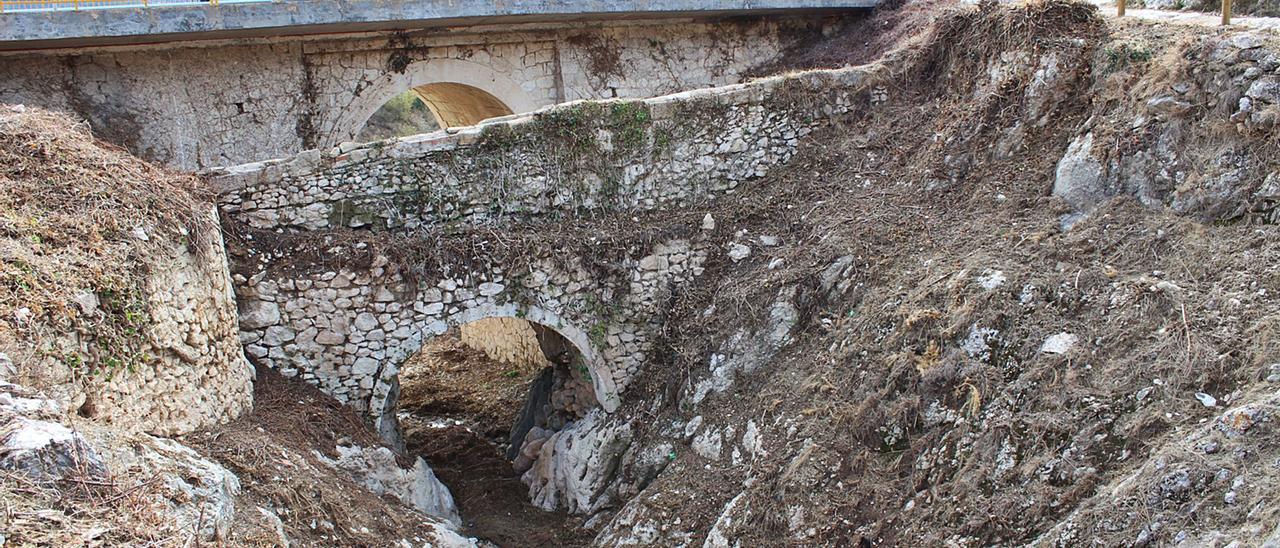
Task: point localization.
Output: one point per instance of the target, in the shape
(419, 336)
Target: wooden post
(1226, 12)
(1120, 5)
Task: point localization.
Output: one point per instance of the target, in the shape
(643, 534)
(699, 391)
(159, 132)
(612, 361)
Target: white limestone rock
(716, 538)
(576, 465)
(992, 279)
(1060, 343)
(255, 314)
(708, 444)
(1079, 176)
(708, 222)
(45, 451)
(377, 470)
(202, 492)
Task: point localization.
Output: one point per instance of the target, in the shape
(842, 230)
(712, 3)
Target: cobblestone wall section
(348, 332)
(661, 152)
(194, 373)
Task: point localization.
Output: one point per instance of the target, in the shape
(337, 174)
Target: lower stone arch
(429, 74)
(386, 394)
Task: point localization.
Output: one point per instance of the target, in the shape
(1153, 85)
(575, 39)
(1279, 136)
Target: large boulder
(377, 470)
(576, 465)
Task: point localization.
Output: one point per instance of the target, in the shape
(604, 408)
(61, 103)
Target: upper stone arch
(442, 83)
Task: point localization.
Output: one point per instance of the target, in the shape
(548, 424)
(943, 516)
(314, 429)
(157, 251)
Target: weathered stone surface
(46, 451)
(198, 374)
(34, 440)
(575, 465)
(1060, 343)
(202, 492)
(746, 351)
(1079, 177)
(259, 314)
(278, 96)
(377, 470)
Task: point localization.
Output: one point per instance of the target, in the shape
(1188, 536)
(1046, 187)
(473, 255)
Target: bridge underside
(24, 30)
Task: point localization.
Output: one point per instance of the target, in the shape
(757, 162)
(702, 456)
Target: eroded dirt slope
(958, 365)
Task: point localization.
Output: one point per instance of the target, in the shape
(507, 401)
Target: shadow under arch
(603, 385)
(451, 84)
(455, 104)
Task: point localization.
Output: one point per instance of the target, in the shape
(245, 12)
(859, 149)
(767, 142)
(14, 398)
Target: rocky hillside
(1023, 295)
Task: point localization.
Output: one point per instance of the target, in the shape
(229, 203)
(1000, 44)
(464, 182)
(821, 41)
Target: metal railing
(8, 6)
(1226, 10)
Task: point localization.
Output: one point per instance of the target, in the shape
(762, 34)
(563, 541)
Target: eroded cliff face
(119, 299)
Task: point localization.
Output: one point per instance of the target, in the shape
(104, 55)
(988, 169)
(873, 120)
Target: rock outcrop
(377, 470)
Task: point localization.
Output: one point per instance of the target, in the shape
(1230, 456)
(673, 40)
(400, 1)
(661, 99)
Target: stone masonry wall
(507, 340)
(216, 103)
(661, 152)
(200, 376)
(195, 373)
(348, 332)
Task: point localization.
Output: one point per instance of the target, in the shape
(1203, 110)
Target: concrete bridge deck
(56, 29)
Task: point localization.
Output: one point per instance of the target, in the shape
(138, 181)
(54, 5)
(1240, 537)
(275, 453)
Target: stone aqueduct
(348, 330)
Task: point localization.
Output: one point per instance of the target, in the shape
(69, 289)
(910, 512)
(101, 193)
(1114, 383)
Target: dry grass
(81, 217)
(86, 511)
(994, 447)
(273, 452)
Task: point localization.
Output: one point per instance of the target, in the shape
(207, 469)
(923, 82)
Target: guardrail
(7, 6)
(1226, 10)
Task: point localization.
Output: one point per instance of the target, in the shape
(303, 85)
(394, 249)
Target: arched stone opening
(504, 375)
(429, 107)
(478, 402)
(589, 362)
(458, 93)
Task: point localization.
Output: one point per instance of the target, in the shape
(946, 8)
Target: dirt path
(449, 382)
(1108, 9)
(494, 503)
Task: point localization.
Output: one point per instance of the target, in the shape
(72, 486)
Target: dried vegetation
(79, 221)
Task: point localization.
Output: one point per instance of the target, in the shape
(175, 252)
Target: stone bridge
(218, 85)
(348, 329)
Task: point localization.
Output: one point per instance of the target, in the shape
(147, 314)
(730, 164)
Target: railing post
(1226, 12)
(1120, 5)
